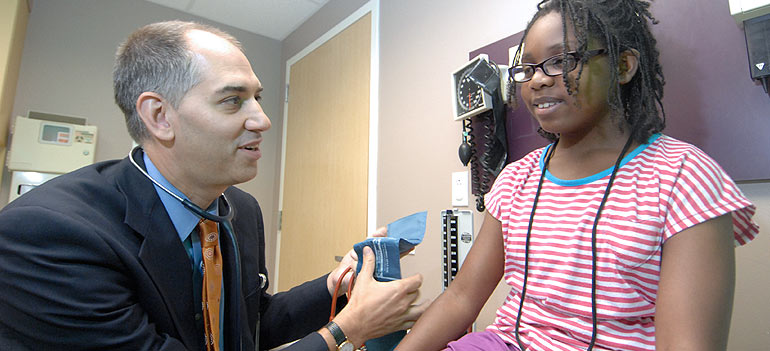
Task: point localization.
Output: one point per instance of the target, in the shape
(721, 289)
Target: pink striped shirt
(661, 188)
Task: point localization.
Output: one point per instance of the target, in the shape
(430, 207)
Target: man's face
(218, 124)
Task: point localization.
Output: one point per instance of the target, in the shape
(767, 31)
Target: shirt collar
(183, 219)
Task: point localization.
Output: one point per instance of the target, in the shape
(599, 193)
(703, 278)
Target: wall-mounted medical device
(473, 85)
(754, 15)
(758, 45)
(457, 229)
(479, 98)
(52, 147)
(43, 146)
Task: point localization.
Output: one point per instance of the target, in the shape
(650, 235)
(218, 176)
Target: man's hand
(349, 260)
(379, 308)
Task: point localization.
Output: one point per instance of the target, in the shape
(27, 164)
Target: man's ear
(628, 64)
(153, 110)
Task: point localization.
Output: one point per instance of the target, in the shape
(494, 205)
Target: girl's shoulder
(532, 159)
(518, 171)
(667, 151)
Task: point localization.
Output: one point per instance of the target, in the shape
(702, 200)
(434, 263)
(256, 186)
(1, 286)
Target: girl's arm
(451, 314)
(697, 281)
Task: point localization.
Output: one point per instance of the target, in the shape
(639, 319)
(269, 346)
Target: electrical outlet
(460, 188)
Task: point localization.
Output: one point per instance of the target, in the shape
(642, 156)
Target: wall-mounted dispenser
(754, 16)
(758, 45)
(44, 146)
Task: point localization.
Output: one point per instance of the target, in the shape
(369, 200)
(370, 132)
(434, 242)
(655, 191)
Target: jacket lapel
(161, 253)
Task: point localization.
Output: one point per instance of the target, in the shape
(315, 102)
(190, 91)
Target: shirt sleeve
(512, 177)
(701, 191)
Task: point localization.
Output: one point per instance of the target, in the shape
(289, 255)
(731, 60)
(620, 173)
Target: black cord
(474, 161)
(594, 317)
(526, 246)
(593, 242)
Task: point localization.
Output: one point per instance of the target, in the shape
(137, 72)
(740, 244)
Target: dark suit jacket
(91, 260)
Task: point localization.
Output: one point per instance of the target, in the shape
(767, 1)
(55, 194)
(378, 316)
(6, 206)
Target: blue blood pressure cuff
(403, 235)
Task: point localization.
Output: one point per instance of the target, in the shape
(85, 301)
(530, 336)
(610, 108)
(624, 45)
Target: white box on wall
(748, 9)
(50, 147)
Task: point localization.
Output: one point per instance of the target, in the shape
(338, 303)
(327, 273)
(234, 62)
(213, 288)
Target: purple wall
(709, 98)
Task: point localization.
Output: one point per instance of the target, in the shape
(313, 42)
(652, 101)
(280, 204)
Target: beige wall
(421, 45)
(750, 329)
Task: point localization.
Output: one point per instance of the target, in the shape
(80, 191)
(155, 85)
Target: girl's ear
(628, 64)
(153, 110)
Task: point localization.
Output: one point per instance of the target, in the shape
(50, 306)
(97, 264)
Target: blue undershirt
(185, 222)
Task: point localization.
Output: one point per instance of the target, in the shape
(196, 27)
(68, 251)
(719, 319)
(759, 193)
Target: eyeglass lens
(552, 66)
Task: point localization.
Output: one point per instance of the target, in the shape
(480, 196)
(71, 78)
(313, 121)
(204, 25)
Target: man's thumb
(367, 266)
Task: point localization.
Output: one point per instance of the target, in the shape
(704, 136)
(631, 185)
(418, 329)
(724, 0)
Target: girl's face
(546, 97)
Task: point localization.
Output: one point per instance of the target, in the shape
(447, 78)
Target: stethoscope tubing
(225, 221)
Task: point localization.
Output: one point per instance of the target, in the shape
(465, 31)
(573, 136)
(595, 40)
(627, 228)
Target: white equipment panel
(50, 147)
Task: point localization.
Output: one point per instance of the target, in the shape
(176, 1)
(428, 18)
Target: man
(103, 258)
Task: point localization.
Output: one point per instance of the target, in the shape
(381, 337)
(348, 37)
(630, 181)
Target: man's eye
(235, 100)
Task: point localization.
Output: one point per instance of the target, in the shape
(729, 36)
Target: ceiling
(274, 19)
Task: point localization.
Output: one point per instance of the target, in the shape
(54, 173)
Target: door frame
(373, 7)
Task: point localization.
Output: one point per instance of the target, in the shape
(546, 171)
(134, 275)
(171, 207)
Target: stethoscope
(593, 242)
(225, 222)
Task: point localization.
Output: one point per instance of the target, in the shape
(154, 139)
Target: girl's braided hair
(618, 25)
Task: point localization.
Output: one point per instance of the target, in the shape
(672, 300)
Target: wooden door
(325, 176)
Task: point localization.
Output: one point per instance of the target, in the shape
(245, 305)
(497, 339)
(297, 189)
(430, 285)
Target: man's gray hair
(157, 58)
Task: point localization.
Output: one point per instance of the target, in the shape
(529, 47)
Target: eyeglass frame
(574, 54)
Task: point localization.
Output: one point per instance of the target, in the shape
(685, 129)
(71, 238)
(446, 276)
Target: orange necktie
(212, 281)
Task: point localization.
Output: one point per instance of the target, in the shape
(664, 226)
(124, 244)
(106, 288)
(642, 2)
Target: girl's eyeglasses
(552, 66)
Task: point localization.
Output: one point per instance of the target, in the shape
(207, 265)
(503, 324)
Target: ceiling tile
(272, 18)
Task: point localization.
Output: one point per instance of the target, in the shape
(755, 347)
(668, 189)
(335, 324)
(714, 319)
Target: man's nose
(257, 120)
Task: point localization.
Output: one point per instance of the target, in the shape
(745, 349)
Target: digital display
(55, 134)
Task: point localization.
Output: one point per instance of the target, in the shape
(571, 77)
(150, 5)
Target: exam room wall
(421, 43)
(67, 69)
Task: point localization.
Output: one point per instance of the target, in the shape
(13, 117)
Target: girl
(614, 236)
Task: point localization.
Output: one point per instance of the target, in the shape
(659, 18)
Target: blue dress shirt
(185, 221)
